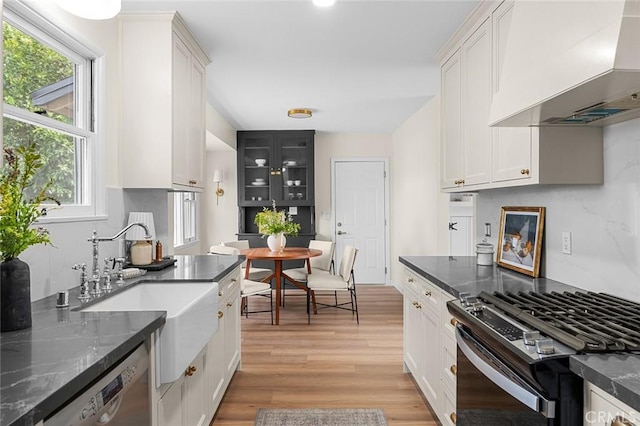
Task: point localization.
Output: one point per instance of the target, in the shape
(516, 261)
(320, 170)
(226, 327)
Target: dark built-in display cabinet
(276, 165)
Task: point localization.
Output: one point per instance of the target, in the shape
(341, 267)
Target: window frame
(181, 207)
(90, 190)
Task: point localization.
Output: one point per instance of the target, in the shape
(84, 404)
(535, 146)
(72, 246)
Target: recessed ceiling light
(324, 3)
(299, 113)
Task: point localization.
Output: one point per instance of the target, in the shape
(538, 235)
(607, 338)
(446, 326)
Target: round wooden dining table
(288, 253)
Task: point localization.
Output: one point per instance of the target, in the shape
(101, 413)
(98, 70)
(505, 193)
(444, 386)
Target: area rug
(320, 417)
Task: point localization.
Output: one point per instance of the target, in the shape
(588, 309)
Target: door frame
(387, 243)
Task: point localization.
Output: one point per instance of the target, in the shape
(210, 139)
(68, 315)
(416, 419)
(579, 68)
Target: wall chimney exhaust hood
(570, 63)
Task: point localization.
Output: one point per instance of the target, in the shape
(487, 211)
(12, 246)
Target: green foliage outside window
(29, 65)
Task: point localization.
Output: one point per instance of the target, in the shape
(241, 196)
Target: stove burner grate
(584, 321)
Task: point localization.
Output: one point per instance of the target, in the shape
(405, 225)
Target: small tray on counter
(155, 265)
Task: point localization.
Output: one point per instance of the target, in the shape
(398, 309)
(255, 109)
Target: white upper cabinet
(466, 100)
(510, 146)
(451, 115)
(476, 156)
(163, 120)
(476, 97)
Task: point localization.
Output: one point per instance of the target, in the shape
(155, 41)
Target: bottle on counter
(158, 251)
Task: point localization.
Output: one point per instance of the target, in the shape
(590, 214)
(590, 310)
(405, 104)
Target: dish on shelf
(259, 179)
(256, 183)
(290, 163)
(261, 161)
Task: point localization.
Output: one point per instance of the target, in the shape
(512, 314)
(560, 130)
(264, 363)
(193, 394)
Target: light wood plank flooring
(331, 363)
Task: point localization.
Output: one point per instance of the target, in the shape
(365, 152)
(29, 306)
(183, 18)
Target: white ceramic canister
(485, 254)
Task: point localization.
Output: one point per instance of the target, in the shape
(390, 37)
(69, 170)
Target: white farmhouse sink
(191, 319)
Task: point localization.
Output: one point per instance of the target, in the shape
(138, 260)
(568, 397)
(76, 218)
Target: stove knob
(477, 306)
(530, 337)
(545, 346)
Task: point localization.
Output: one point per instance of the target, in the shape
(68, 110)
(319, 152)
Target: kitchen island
(616, 373)
(42, 367)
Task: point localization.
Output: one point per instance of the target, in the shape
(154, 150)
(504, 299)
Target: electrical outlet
(566, 242)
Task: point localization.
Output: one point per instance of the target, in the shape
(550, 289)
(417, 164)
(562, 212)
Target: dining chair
(342, 281)
(322, 264)
(247, 287)
(255, 274)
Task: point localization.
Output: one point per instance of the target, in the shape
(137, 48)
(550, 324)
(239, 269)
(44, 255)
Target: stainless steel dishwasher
(120, 397)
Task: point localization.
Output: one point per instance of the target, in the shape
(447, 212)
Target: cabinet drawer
(229, 284)
(601, 408)
(429, 296)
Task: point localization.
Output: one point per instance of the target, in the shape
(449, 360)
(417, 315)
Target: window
(185, 228)
(48, 101)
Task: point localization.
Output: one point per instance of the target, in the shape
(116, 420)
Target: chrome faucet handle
(119, 261)
(84, 284)
(106, 274)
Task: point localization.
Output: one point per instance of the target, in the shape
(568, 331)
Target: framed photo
(520, 239)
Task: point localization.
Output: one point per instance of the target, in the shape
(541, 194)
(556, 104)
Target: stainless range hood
(570, 63)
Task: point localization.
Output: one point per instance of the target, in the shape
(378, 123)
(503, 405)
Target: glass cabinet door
(255, 170)
(295, 155)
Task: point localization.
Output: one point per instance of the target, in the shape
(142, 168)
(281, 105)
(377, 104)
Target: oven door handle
(507, 379)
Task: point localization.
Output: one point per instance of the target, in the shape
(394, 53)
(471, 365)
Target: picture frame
(520, 239)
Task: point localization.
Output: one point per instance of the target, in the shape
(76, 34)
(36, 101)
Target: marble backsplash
(603, 219)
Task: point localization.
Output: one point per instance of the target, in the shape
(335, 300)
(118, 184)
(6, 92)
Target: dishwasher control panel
(101, 401)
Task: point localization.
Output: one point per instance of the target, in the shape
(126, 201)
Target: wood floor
(332, 363)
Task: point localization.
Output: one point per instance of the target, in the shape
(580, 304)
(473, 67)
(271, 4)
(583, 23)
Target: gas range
(522, 342)
(559, 323)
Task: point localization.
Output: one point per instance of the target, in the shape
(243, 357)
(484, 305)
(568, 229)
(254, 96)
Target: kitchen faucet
(95, 239)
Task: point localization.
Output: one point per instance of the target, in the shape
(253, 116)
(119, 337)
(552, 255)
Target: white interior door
(359, 216)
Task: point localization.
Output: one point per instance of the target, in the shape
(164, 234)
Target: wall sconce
(217, 178)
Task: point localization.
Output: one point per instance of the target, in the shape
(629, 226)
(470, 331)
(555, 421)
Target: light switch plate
(293, 210)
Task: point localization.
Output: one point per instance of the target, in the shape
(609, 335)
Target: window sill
(68, 219)
(186, 245)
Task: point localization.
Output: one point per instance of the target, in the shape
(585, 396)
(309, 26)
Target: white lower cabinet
(194, 398)
(429, 346)
(602, 409)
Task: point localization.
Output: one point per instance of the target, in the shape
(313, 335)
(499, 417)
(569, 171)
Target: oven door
(490, 393)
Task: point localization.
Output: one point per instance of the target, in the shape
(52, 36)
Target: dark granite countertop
(65, 350)
(457, 274)
(616, 373)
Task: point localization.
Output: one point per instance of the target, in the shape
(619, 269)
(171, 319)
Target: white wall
(419, 212)
(604, 220)
(220, 221)
(340, 145)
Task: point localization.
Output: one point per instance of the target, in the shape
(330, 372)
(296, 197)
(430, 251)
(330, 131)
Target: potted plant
(19, 209)
(276, 224)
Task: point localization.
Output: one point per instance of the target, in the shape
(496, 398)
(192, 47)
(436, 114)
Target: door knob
(341, 233)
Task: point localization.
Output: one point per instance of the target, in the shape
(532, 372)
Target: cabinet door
(181, 91)
(195, 147)
(232, 334)
(194, 392)
(412, 336)
(452, 148)
(170, 406)
(295, 155)
(216, 365)
(430, 352)
(257, 169)
(476, 95)
(511, 146)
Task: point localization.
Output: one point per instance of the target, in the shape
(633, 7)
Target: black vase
(15, 295)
